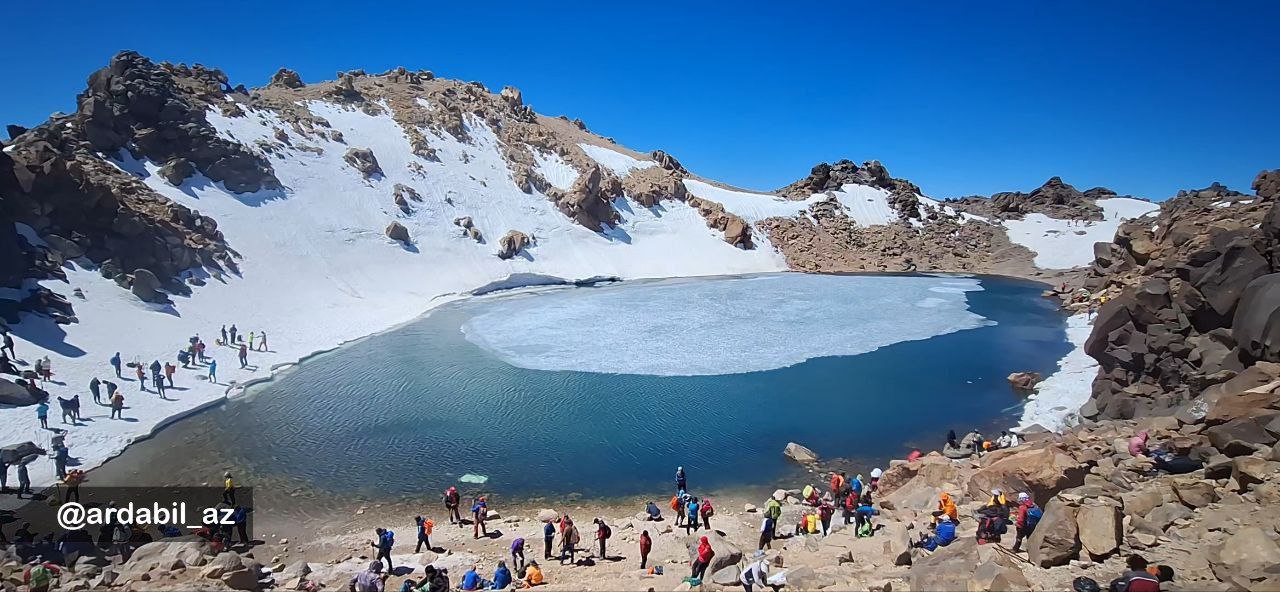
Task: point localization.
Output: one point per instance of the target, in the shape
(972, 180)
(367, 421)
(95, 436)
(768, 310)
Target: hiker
(501, 575)
(213, 371)
(142, 377)
(1138, 444)
(548, 536)
(117, 405)
(646, 545)
(6, 366)
(705, 553)
(568, 542)
(72, 482)
(951, 439)
(876, 473)
(825, 512)
(681, 483)
(707, 511)
(169, 369)
(424, 532)
(39, 370)
(451, 501)
(39, 575)
(767, 528)
(773, 509)
(533, 575)
(251, 336)
(1029, 515)
(233, 335)
(856, 484)
(434, 580)
(42, 413)
(864, 527)
(262, 341)
(838, 481)
(244, 356)
(95, 389)
(691, 515)
(944, 532)
(369, 580)
(224, 335)
(993, 518)
(1137, 579)
(652, 513)
(8, 345)
(848, 507)
(972, 441)
(115, 363)
(603, 532)
(517, 553)
(4, 488)
(946, 507)
(240, 515)
(677, 505)
(472, 580)
(755, 573)
(157, 377)
(229, 491)
(24, 479)
(199, 347)
(385, 540)
(479, 512)
(60, 457)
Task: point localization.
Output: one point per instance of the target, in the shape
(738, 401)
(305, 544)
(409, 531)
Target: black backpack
(608, 532)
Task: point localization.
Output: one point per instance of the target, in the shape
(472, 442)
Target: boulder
(1256, 325)
(1056, 539)
(511, 244)
(949, 568)
(896, 541)
(146, 286)
(548, 515)
(1195, 494)
(1024, 381)
(241, 579)
(1141, 501)
(396, 231)
(176, 171)
(727, 576)
(224, 562)
(363, 160)
(995, 576)
(1042, 472)
(799, 453)
(286, 78)
(1237, 437)
(1217, 467)
(68, 248)
(1099, 523)
(1248, 470)
(1245, 552)
(727, 553)
(15, 394)
(192, 553)
(1166, 514)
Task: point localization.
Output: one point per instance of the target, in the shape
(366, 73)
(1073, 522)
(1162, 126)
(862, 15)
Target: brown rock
(1195, 494)
(799, 453)
(1099, 523)
(1248, 470)
(1042, 472)
(397, 231)
(286, 78)
(511, 244)
(1247, 551)
(994, 576)
(363, 160)
(1024, 381)
(1055, 540)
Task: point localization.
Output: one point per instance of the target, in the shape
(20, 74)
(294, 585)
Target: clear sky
(960, 97)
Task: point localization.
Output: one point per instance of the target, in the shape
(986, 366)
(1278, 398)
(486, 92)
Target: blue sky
(960, 97)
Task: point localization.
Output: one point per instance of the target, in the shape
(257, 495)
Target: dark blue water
(410, 411)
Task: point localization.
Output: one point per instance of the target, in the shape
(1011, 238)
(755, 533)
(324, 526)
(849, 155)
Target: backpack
(675, 502)
(606, 531)
(865, 530)
(707, 509)
(388, 539)
(988, 530)
(1034, 514)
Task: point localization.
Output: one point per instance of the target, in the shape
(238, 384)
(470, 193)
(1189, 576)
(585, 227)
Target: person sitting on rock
(652, 513)
(944, 532)
(1137, 579)
(947, 508)
(1138, 445)
(533, 575)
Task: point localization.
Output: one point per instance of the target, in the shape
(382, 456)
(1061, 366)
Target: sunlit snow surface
(726, 327)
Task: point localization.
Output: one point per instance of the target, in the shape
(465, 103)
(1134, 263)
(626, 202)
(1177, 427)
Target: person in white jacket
(755, 574)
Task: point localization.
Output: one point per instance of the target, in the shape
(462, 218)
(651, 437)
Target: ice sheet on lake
(722, 326)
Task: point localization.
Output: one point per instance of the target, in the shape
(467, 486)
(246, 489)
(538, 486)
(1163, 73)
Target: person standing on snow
(213, 371)
(115, 363)
(262, 341)
(244, 355)
(224, 335)
(233, 334)
(95, 388)
(8, 345)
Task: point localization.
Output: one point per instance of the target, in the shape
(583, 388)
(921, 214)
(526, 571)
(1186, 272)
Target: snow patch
(620, 164)
(555, 170)
(1058, 244)
(1059, 397)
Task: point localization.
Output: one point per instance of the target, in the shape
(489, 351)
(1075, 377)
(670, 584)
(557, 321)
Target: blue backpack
(1034, 514)
(388, 539)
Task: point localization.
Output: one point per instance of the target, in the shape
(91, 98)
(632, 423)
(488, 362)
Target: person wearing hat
(1029, 515)
(369, 580)
(755, 573)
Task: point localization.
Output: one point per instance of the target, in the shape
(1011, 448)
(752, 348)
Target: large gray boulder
(1056, 540)
(363, 160)
(1256, 324)
(1247, 551)
(146, 286)
(512, 243)
(396, 231)
(12, 393)
(1099, 523)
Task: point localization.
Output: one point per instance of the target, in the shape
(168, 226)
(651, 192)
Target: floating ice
(473, 478)
(723, 326)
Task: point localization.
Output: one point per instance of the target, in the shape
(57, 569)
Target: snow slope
(317, 269)
(1060, 244)
(620, 164)
(1060, 396)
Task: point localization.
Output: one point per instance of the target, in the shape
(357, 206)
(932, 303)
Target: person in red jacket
(1028, 516)
(646, 545)
(705, 553)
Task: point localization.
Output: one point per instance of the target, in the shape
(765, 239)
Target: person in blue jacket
(943, 535)
(501, 576)
(691, 516)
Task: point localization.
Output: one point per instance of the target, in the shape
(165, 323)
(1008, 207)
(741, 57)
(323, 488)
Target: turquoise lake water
(604, 390)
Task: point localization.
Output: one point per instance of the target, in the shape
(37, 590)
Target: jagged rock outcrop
(651, 185)
(1173, 326)
(363, 160)
(737, 231)
(511, 244)
(588, 200)
(468, 228)
(1055, 198)
(286, 78)
(667, 161)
